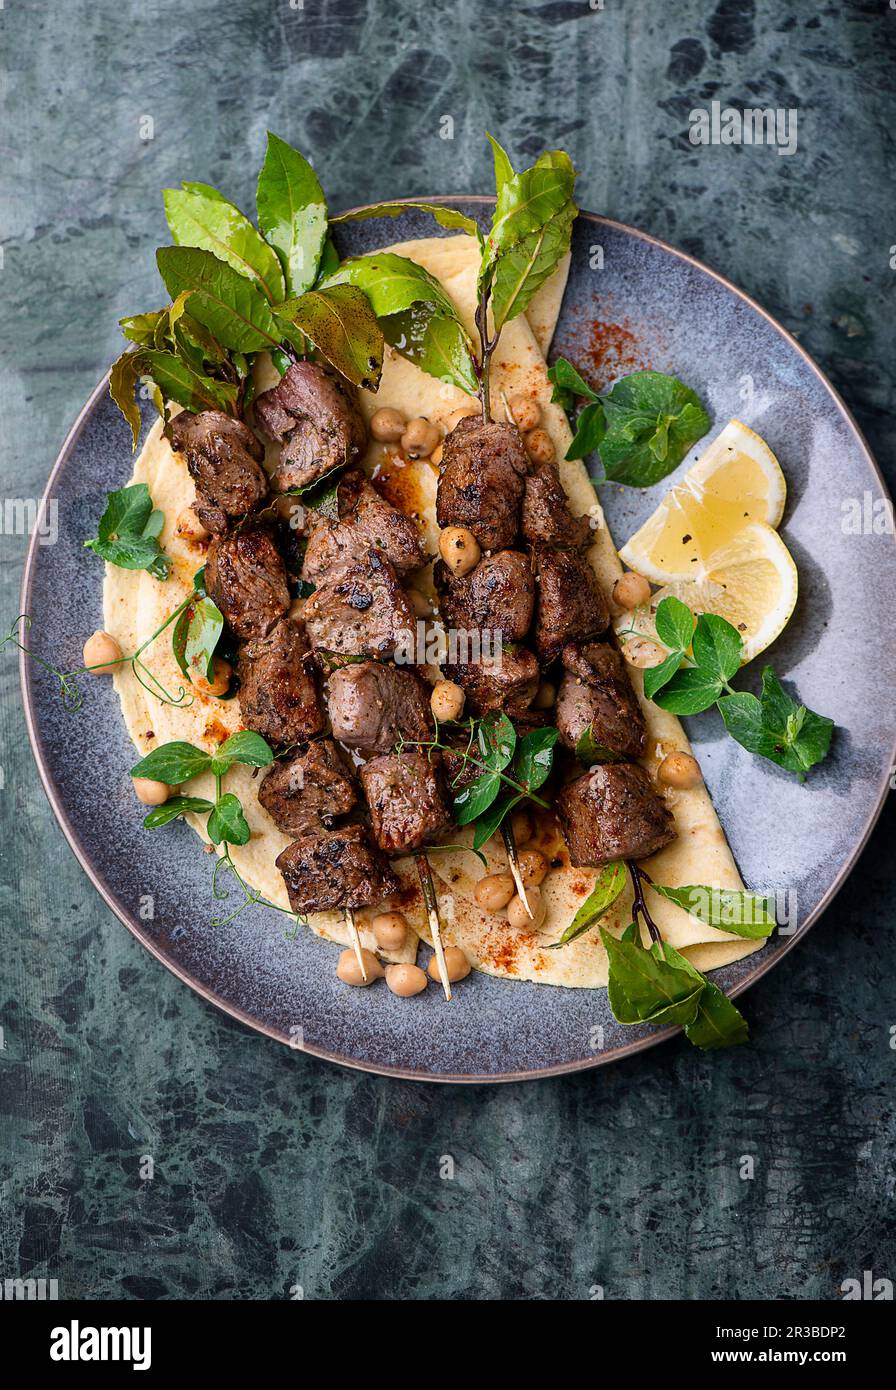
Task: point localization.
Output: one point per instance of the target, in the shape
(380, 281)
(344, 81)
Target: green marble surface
(271, 1170)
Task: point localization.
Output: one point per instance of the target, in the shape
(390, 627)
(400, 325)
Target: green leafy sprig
(510, 770)
(198, 625)
(226, 824)
(643, 427)
(529, 234)
(129, 530)
(236, 291)
(704, 655)
(656, 984)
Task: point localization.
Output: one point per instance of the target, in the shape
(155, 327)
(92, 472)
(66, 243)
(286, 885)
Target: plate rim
(69, 830)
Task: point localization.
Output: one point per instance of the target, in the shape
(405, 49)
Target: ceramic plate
(648, 305)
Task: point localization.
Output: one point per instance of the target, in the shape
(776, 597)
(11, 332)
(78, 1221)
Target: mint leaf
(227, 822)
(609, 884)
(476, 798)
(689, 691)
(718, 1022)
(776, 727)
(567, 383)
(655, 677)
(172, 808)
(245, 747)
(643, 989)
(718, 646)
(674, 624)
(652, 422)
(490, 820)
(496, 737)
(534, 757)
(129, 530)
(728, 909)
(173, 763)
(591, 427)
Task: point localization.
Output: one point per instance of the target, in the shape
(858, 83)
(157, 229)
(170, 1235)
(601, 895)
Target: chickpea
(540, 446)
(405, 980)
(447, 701)
(523, 827)
(457, 967)
(220, 682)
(420, 603)
(545, 695)
(533, 866)
(387, 425)
(526, 413)
(390, 930)
(459, 549)
(517, 915)
(641, 652)
(631, 590)
(462, 413)
(679, 770)
(420, 438)
(102, 654)
(494, 892)
(189, 526)
(349, 971)
(151, 793)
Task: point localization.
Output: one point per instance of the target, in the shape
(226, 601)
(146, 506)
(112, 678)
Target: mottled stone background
(272, 1169)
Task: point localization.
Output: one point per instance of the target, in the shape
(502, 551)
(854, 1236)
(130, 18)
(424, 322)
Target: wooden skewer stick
(513, 860)
(356, 941)
(435, 925)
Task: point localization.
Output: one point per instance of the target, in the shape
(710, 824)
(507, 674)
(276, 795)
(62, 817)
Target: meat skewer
(359, 610)
(487, 485)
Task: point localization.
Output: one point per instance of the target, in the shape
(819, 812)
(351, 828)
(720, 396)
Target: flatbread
(135, 604)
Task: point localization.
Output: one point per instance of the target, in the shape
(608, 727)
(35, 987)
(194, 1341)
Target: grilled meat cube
(278, 696)
(224, 460)
(497, 596)
(508, 684)
(361, 611)
(405, 800)
(546, 516)
(246, 577)
(484, 466)
(596, 693)
(373, 705)
(613, 812)
(365, 520)
(325, 870)
(571, 605)
(306, 789)
(315, 415)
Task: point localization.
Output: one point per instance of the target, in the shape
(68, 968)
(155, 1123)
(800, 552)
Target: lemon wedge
(752, 582)
(737, 481)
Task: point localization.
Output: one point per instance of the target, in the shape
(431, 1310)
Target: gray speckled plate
(659, 308)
